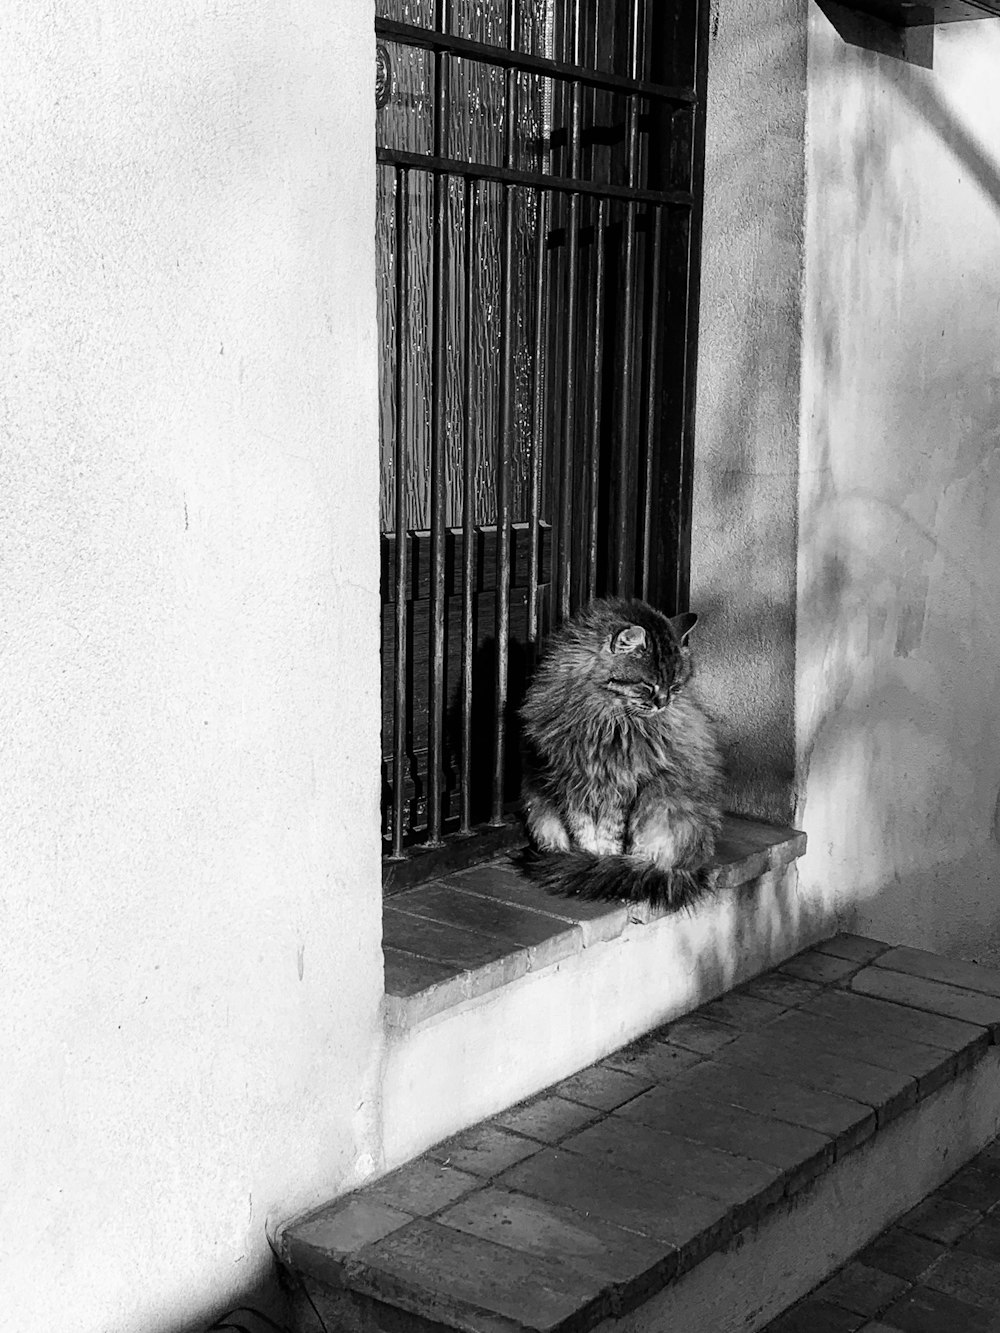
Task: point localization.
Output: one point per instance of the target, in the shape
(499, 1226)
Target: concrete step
(700, 1180)
(495, 989)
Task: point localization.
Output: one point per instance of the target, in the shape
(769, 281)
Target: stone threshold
(471, 932)
(593, 1199)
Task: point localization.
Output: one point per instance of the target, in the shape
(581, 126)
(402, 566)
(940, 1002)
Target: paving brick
(815, 1316)
(677, 1162)
(883, 1016)
(731, 1129)
(954, 971)
(856, 948)
(796, 1058)
(863, 1290)
(983, 1239)
(536, 1226)
(603, 1088)
(406, 974)
(929, 1065)
(700, 1034)
(741, 1011)
(633, 1200)
(876, 1326)
(968, 1277)
(976, 1186)
(940, 1219)
(350, 1224)
(598, 921)
(847, 1122)
(547, 937)
(548, 1119)
(934, 996)
(450, 944)
(653, 1058)
(821, 967)
(902, 1253)
(422, 1187)
(991, 1153)
(459, 1277)
(484, 1150)
(922, 1310)
(782, 989)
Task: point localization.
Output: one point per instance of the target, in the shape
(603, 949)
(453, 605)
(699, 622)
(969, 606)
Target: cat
(622, 769)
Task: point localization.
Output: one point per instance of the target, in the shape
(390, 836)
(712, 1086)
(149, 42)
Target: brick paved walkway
(936, 1271)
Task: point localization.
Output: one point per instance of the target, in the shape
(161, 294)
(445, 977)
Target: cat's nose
(661, 697)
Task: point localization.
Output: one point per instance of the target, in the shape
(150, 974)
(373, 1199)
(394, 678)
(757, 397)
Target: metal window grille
(538, 222)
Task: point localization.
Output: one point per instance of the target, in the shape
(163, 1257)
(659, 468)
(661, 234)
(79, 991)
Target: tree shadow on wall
(898, 607)
(928, 102)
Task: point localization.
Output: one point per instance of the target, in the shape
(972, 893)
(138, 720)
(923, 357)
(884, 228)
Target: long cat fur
(622, 771)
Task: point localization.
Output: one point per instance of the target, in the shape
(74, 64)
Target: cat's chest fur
(601, 763)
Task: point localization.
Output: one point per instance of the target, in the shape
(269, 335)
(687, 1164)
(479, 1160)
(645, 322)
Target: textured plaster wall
(746, 453)
(899, 575)
(189, 911)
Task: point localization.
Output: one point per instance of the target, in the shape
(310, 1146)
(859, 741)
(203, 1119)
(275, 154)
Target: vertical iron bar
(539, 405)
(402, 183)
(468, 514)
(439, 352)
(537, 415)
(625, 471)
(596, 367)
(504, 448)
(651, 399)
(564, 543)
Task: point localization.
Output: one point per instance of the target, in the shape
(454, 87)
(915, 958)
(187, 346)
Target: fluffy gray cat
(622, 771)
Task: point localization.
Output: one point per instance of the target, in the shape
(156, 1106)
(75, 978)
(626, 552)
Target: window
(539, 187)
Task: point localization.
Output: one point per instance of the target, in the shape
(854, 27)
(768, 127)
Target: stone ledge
(460, 937)
(590, 1199)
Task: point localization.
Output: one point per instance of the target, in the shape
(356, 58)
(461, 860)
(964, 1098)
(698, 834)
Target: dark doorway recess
(539, 208)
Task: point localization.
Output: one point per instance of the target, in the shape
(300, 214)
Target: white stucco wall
(189, 910)
(899, 571)
(747, 436)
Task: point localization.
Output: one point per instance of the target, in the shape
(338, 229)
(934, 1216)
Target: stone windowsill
(469, 933)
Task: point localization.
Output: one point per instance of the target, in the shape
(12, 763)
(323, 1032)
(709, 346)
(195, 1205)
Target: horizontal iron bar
(411, 35)
(420, 863)
(450, 166)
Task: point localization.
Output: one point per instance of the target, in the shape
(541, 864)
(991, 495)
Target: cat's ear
(629, 640)
(683, 624)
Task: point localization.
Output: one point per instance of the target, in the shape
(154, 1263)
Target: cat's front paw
(548, 832)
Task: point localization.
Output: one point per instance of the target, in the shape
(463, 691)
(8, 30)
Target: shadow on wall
(930, 105)
(261, 1306)
(899, 595)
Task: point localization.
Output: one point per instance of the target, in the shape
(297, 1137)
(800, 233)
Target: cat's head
(643, 657)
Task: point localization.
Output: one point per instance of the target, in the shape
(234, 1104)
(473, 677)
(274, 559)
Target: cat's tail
(610, 878)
